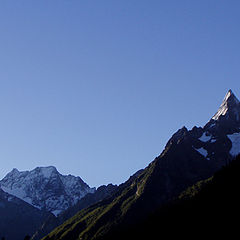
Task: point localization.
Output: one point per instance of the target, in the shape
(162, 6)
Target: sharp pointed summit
(230, 107)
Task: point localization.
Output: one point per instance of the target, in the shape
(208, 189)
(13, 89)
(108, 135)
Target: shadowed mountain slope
(18, 218)
(208, 209)
(103, 192)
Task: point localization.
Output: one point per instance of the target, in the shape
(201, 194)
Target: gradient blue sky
(96, 88)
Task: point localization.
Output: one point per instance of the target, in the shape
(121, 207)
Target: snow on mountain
(230, 104)
(45, 188)
(189, 156)
(205, 138)
(221, 135)
(235, 139)
(202, 151)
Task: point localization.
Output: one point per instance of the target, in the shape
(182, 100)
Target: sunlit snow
(56, 212)
(224, 106)
(39, 188)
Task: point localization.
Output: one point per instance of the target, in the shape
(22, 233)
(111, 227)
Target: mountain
(229, 108)
(18, 218)
(189, 156)
(45, 188)
(89, 199)
(209, 209)
(102, 192)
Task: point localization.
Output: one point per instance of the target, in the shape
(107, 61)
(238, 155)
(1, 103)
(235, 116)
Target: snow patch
(47, 171)
(212, 125)
(205, 138)
(202, 151)
(56, 212)
(235, 139)
(17, 192)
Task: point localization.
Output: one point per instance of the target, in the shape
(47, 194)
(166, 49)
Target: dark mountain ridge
(209, 208)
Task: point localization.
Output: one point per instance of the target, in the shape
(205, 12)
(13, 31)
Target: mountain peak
(230, 95)
(229, 106)
(13, 173)
(45, 188)
(230, 92)
(15, 170)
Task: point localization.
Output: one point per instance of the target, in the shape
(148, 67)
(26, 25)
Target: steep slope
(103, 192)
(19, 218)
(45, 188)
(189, 156)
(210, 208)
(89, 199)
(229, 108)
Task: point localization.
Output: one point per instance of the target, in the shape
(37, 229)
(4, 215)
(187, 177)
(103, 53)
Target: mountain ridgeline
(182, 188)
(190, 156)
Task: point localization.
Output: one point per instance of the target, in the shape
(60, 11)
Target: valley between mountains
(192, 184)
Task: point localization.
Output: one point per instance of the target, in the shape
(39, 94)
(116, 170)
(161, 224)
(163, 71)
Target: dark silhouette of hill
(18, 218)
(208, 209)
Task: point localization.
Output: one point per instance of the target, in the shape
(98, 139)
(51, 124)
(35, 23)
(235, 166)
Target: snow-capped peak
(45, 188)
(46, 171)
(230, 104)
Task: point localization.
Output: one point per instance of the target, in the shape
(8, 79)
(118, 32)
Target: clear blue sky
(96, 88)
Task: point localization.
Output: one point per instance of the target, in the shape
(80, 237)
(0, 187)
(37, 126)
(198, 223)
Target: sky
(96, 88)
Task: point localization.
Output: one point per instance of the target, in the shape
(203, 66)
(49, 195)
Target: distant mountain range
(190, 156)
(45, 188)
(38, 195)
